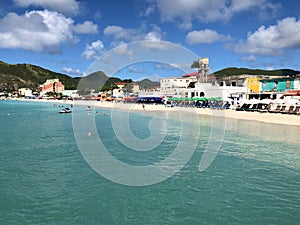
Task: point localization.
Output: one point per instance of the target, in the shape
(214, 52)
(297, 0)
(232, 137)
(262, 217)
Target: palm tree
(195, 64)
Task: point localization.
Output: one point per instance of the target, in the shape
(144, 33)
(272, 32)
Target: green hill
(98, 81)
(240, 71)
(146, 84)
(13, 77)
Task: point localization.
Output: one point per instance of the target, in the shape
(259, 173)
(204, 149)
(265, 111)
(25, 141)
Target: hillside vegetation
(15, 76)
(231, 71)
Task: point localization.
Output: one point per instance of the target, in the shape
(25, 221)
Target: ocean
(48, 177)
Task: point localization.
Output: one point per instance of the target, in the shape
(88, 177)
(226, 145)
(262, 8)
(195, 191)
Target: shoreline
(274, 118)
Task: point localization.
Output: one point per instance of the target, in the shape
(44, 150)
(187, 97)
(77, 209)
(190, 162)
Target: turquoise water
(44, 179)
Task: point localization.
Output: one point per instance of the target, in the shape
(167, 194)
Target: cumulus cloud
(133, 69)
(128, 35)
(206, 36)
(121, 36)
(86, 28)
(94, 50)
(186, 11)
(272, 40)
(149, 10)
(70, 7)
(250, 58)
(120, 33)
(40, 31)
(71, 71)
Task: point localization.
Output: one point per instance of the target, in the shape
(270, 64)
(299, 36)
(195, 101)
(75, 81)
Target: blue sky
(149, 39)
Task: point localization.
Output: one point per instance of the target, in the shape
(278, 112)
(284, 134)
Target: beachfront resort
(200, 89)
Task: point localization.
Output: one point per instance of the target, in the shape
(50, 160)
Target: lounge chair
(252, 108)
(243, 107)
(296, 110)
(282, 109)
(276, 110)
(287, 111)
(262, 107)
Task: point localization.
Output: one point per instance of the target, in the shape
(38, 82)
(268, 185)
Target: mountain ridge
(15, 76)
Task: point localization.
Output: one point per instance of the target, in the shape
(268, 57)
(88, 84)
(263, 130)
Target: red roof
(191, 74)
(120, 83)
(196, 74)
(292, 93)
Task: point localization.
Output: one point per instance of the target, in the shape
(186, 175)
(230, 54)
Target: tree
(127, 80)
(195, 64)
(128, 88)
(191, 85)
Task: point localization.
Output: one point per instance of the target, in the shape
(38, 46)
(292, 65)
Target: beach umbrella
(199, 98)
(215, 99)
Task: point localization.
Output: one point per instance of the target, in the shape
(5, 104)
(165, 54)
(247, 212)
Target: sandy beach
(275, 118)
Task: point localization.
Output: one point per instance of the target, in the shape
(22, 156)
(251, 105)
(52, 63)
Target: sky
(151, 38)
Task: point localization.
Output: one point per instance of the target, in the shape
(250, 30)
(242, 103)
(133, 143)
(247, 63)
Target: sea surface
(44, 178)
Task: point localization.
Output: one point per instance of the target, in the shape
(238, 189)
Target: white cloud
(129, 35)
(94, 50)
(120, 33)
(150, 9)
(149, 39)
(238, 5)
(250, 58)
(133, 69)
(206, 36)
(40, 31)
(184, 12)
(86, 28)
(70, 7)
(71, 71)
(272, 40)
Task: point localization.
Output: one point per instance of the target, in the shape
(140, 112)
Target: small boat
(65, 110)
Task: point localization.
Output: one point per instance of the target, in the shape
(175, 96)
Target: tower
(203, 70)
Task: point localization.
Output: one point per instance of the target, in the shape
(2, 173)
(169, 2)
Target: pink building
(52, 85)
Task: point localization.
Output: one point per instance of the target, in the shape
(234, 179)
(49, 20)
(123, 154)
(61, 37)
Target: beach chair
(262, 107)
(243, 107)
(276, 110)
(295, 111)
(282, 109)
(288, 110)
(252, 108)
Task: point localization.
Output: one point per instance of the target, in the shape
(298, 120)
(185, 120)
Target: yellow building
(252, 85)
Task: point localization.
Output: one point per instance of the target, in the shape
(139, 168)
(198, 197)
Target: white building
(297, 83)
(26, 92)
(175, 86)
(70, 93)
(210, 90)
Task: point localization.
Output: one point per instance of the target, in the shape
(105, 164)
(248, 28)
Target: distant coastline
(274, 118)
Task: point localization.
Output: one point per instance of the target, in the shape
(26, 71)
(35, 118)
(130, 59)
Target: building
(120, 84)
(175, 86)
(70, 93)
(25, 92)
(277, 84)
(52, 85)
(276, 87)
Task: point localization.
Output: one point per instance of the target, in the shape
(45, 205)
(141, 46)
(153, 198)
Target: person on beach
(143, 106)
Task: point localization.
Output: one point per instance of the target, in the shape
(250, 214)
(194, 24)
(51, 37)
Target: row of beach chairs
(279, 108)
